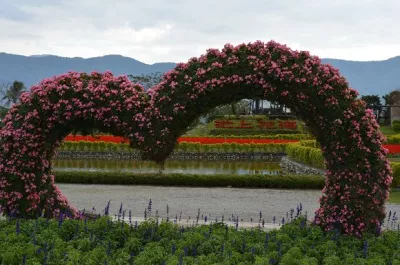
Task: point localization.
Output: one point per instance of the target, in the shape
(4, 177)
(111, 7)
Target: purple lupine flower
(108, 251)
(173, 249)
(60, 220)
(365, 249)
(243, 245)
(194, 251)
(149, 207)
(266, 241)
(107, 209)
(17, 228)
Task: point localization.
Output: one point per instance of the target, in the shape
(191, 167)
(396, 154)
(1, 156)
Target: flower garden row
(102, 241)
(196, 147)
(196, 144)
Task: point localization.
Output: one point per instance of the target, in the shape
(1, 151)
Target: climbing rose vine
(358, 177)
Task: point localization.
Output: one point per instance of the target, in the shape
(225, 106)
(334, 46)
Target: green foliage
(393, 139)
(392, 98)
(196, 180)
(234, 110)
(86, 146)
(103, 241)
(396, 173)
(11, 93)
(372, 100)
(309, 153)
(269, 134)
(148, 80)
(396, 126)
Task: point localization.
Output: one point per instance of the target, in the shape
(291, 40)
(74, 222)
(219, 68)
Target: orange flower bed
(393, 148)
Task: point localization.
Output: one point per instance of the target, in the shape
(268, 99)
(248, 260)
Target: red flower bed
(393, 148)
(98, 138)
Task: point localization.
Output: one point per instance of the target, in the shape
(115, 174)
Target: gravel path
(213, 202)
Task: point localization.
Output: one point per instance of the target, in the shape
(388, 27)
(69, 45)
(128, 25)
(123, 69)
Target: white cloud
(176, 30)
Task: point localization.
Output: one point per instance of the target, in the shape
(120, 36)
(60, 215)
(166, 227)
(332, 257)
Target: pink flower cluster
(359, 175)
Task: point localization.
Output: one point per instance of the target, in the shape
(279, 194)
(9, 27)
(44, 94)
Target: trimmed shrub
(396, 126)
(196, 180)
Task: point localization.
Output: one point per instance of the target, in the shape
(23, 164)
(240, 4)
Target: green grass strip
(193, 180)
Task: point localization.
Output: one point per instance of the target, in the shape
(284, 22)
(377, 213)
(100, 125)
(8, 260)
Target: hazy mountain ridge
(368, 77)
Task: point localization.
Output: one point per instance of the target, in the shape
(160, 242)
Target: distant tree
(148, 80)
(372, 100)
(11, 93)
(241, 107)
(393, 98)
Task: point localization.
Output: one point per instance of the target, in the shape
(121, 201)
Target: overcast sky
(175, 30)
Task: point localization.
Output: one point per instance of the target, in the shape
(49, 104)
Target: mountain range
(368, 77)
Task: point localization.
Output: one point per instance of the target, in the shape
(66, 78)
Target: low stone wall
(176, 156)
(294, 167)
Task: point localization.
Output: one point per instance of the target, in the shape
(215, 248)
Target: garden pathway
(213, 202)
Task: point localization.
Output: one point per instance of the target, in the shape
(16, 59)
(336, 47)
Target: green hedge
(396, 173)
(307, 153)
(215, 132)
(86, 146)
(293, 136)
(218, 180)
(393, 139)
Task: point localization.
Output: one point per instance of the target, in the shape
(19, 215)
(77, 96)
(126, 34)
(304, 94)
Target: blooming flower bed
(392, 148)
(102, 241)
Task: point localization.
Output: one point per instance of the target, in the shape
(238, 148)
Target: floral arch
(358, 176)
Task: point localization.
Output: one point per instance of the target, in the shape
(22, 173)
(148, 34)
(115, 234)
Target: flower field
(393, 148)
(102, 241)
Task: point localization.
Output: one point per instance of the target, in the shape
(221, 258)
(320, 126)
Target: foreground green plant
(102, 241)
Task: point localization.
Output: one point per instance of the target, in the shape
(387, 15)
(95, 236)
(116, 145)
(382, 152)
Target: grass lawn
(394, 197)
(387, 130)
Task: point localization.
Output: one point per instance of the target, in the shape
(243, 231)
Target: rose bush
(358, 178)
